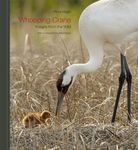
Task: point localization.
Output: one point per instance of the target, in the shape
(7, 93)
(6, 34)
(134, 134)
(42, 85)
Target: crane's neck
(95, 60)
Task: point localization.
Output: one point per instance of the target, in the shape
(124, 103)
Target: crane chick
(33, 119)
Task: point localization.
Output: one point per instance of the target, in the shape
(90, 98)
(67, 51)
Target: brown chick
(36, 118)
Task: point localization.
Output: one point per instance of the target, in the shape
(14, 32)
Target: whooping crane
(105, 21)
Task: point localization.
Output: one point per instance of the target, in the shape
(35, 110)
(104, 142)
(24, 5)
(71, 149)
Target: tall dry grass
(84, 122)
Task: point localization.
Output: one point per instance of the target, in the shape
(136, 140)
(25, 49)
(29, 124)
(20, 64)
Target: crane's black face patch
(59, 85)
(62, 90)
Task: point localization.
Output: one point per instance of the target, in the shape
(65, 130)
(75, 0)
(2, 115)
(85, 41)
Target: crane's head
(64, 82)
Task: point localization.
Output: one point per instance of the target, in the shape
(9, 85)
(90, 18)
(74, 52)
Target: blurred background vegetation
(42, 7)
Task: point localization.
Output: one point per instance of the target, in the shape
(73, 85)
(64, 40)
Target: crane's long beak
(59, 103)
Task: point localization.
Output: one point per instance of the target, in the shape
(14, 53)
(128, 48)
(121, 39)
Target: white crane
(105, 21)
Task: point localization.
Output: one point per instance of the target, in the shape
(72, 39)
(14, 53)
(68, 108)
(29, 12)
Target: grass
(84, 122)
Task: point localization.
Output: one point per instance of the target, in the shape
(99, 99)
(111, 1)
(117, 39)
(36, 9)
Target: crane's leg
(129, 81)
(121, 82)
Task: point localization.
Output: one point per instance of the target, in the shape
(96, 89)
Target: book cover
(55, 104)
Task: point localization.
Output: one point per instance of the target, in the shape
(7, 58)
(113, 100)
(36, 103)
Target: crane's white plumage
(106, 21)
(112, 21)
